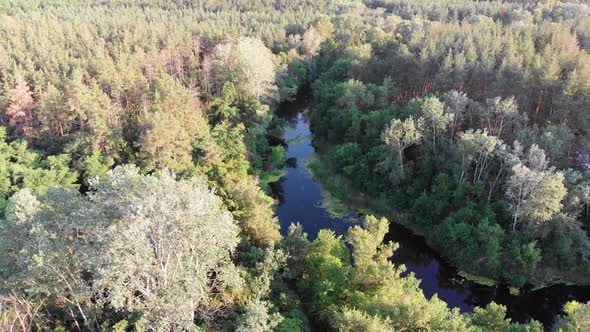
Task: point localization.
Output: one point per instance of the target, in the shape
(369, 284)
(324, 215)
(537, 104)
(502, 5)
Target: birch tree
(476, 147)
(456, 104)
(535, 191)
(398, 136)
(546, 201)
(499, 113)
(521, 184)
(435, 120)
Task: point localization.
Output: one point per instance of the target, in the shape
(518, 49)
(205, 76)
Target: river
(299, 200)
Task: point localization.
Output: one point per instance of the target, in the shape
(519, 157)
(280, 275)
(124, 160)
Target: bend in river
(300, 200)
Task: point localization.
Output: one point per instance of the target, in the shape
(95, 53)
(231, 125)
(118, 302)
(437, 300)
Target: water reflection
(299, 198)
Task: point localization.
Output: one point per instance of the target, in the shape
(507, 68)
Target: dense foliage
(471, 115)
(419, 93)
(369, 294)
(170, 87)
(576, 318)
(84, 253)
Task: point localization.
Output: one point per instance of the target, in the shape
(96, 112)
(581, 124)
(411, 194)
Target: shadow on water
(300, 198)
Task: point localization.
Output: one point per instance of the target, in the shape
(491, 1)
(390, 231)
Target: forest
(139, 139)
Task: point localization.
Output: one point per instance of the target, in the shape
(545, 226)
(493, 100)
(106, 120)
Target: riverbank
(341, 197)
(311, 200)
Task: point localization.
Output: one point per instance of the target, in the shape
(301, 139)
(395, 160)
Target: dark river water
(300, 200)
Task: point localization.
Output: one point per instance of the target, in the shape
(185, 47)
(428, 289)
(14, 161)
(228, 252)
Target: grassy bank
(266, 178)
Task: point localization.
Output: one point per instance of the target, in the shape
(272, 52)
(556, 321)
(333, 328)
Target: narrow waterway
(300, 200)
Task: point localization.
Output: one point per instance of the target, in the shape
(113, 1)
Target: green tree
(398, 136)
(535, 192)
(435, 121)
(169, 241)
(48, 242)
(352, 320)
(456, 104)
(546, 201)
(297, 246)
(476, 147)
(257, 318)
(499, 113)
(490, 318)
(326, 269)
(577, 317)
(521, 185)
(22, 167)
(170, 127)
(370, 254)
(248, 64)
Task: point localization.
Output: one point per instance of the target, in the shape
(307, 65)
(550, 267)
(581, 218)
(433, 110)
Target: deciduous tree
(398, 136)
